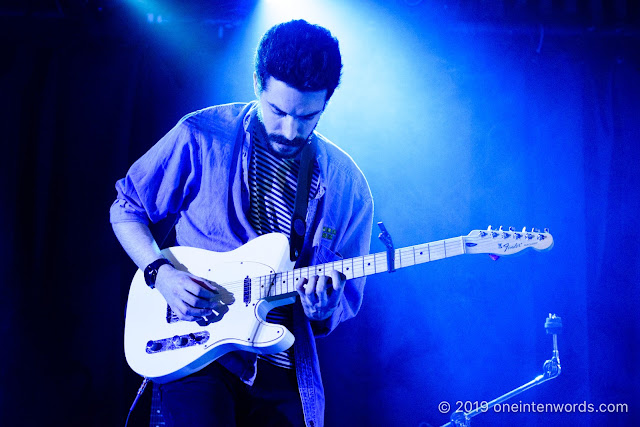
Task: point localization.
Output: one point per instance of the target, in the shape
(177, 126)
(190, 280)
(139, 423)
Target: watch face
(151, 272)
(150, 276)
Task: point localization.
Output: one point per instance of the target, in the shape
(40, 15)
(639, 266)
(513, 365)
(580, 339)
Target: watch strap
(151, 272)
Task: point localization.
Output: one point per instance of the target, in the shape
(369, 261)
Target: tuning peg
(524, 229)
(502, 233)
(512, 229)
(489, 228)
(546, 230)
(535, 230)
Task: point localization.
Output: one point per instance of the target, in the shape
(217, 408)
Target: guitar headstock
(506, 242)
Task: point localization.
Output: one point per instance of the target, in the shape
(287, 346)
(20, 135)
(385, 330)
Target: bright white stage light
(283, 10)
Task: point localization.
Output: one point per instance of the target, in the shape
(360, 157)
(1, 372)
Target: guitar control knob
(196, 338)
(153, 346)
(512, 229)
(180, 341)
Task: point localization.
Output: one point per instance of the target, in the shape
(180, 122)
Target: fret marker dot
(420, 253)
(368, 263)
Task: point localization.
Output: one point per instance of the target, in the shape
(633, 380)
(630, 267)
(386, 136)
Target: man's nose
(289, 128)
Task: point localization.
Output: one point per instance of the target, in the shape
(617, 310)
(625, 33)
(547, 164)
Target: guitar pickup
(177, 342)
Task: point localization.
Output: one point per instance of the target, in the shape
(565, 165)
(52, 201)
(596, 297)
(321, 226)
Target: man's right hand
(190, 297)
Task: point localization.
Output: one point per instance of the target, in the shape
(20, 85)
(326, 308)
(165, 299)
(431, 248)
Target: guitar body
(165, 349)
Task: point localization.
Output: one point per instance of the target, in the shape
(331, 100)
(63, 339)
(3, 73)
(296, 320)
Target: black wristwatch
(151, 272)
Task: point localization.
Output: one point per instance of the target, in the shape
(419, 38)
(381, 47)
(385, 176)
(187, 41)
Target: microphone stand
(551, 369)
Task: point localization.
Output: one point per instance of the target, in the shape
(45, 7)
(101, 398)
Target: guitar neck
(283, 283)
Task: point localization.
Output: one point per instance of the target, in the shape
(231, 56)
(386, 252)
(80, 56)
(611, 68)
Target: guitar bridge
(214, 317)
(171, 316)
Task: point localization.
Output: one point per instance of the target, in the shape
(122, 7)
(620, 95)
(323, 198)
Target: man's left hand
(320, 295)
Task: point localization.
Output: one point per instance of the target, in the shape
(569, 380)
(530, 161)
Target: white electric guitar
(255, 278)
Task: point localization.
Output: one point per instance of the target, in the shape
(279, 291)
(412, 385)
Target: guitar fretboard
(283, 283)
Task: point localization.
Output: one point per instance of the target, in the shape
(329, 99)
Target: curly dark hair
(300, 54)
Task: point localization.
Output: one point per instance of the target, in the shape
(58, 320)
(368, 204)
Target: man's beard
(284, 148)
(278, 145)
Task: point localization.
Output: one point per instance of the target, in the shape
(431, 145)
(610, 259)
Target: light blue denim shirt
(198, 171)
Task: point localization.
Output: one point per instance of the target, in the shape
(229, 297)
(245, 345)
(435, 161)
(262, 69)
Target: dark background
(461, 115)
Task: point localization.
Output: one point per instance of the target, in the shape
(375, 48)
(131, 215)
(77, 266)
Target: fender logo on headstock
(508, 246)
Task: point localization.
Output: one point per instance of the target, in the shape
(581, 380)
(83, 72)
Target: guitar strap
(298, 219)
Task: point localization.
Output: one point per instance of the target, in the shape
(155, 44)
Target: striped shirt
(272, 186)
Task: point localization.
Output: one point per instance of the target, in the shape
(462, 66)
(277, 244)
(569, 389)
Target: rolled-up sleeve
(161, 181)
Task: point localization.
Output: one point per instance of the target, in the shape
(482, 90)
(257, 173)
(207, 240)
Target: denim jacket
(198, 171)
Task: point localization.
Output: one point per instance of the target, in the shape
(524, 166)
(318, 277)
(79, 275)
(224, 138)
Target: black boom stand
(551, 368)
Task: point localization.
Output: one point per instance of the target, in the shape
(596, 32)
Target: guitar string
(436, 251)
